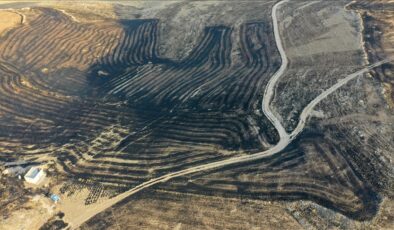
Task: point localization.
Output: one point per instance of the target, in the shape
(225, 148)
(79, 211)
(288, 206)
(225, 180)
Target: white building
(35, 175)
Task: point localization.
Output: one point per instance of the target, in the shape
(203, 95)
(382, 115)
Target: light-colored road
(309, 108)
(285, 138)
(271, 85)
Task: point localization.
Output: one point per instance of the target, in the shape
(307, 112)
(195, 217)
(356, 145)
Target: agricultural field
(269, 114)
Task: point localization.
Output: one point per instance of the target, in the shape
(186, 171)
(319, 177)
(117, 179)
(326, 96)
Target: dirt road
(271, 86)
(309, 108)
(77, 219)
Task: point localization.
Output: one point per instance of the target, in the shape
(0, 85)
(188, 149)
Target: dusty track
(285, 138)
(270, 89)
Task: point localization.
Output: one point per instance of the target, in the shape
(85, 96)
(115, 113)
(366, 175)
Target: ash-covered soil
(115, 94)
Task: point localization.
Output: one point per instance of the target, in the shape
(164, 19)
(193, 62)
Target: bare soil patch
(9, 20)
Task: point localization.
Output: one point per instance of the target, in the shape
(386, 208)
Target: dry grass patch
(9, 20)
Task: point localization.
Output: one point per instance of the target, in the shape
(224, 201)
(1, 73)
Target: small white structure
(35, 175)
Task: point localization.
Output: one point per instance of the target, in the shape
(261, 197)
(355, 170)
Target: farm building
(35, 175)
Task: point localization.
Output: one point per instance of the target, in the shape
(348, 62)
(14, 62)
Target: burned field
(167, 210)
(103, 103)
(113, 105)
(378, 22)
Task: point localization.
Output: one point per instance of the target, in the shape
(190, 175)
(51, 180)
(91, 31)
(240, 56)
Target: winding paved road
(285, 138)
(271, 85)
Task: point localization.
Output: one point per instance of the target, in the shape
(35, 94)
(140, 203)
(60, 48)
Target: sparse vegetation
(115, 95)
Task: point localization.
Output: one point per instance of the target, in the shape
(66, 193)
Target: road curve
(283, 143)
(285, 138)
(271, 85)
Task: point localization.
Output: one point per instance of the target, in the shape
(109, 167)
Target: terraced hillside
(334, 162)
(101, 101)
(111, 105)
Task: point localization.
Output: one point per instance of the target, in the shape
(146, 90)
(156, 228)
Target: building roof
(35, 175)
(33, 172)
